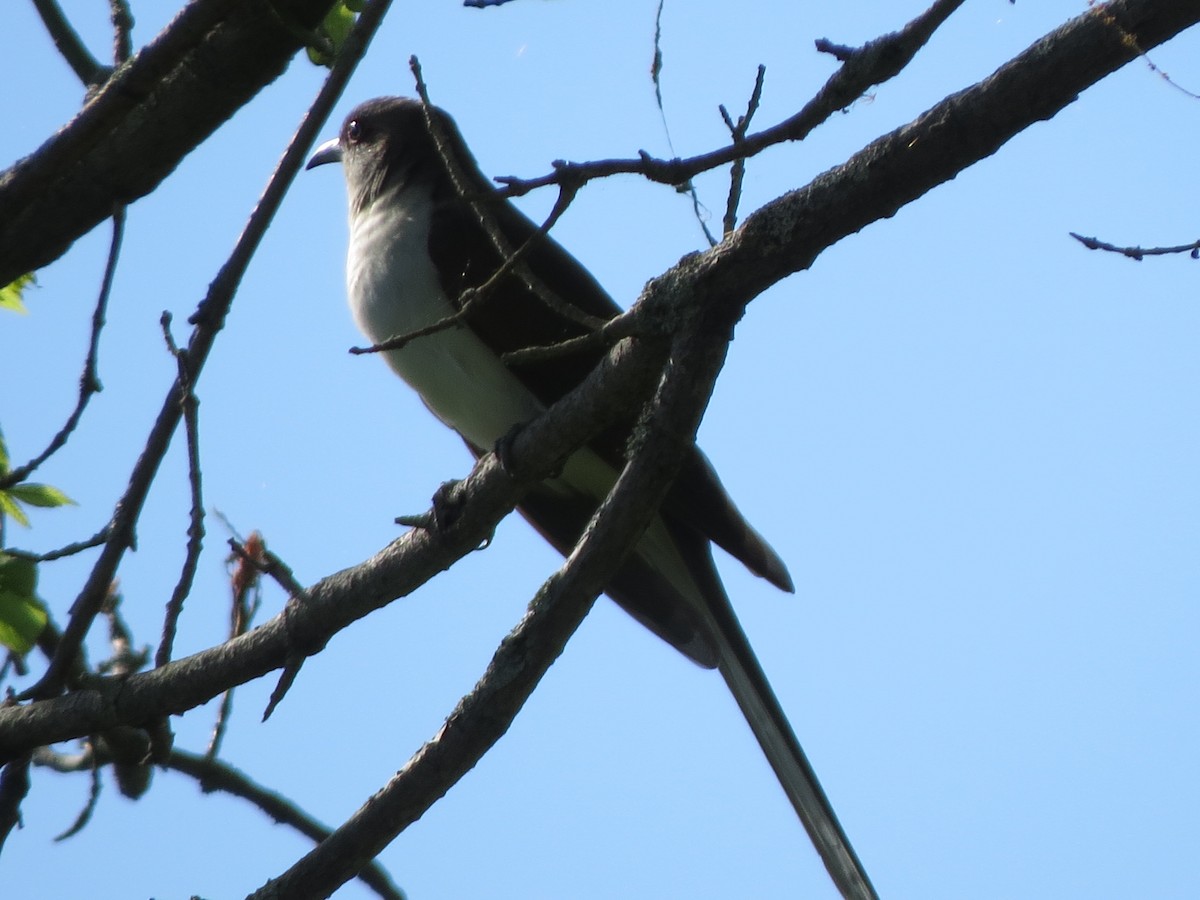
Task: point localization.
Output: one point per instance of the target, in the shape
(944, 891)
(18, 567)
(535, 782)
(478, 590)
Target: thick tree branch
(152, 112)
(340, 599)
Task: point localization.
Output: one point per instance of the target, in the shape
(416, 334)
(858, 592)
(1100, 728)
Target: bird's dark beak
(328, 152)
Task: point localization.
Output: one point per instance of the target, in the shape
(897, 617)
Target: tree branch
(173, 93)
(189, 405)
(1138, 253)
(85, 66)
(344, 597)
(208, 319)
(786, 235)
(862, 68)
(214, 775)
(89, 381)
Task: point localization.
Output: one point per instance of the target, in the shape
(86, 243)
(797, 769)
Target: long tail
(750, 688)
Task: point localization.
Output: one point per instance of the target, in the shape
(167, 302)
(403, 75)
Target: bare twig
(301, 649)
(213, 775)
(122, 22)
(403, 340)
(471, 192)
(69, 550)
(93, 799)
(737, 132)
(1137, 253)
(247, 564)
(1133, 42)
(14, 785)
(195, 531)
(614, 330)
(210, 775)
(656, 66)
(872, 64)
(89, 381)
(85, 66)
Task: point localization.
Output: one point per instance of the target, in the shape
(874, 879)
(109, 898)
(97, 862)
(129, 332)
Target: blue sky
(973, 441)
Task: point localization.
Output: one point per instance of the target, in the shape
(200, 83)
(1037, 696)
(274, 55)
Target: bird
(418, 240)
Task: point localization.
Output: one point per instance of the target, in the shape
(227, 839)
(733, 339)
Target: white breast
(394, 290)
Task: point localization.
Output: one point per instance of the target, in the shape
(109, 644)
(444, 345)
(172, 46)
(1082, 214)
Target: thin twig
(872, 64)
(213, 775)
(14, 786)
(737, 132)
(195, 531)
(95, 785)
(513, 258)
(95, 540)
(1128, 38)
(89, 381)
(1137, 253)
(625, 325)
(258, 556)
(515, 261)
(244, 580)
(85, 66)
(301, 650)
(122, 23)
(698, 209)
(402, 340)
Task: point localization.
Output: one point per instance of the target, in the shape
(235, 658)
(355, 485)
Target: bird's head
(386, 144)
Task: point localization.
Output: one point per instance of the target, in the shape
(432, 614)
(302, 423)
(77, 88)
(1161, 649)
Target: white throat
(394, 289)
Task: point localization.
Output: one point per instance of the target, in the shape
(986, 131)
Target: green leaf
(10, 295)
(3, 455)
(17, 576)
(21, 621)
(10, 507)
(42, 495)
(331, 35)
(22, 615)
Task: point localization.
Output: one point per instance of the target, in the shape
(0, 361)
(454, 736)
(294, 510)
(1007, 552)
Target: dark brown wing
(513, 317)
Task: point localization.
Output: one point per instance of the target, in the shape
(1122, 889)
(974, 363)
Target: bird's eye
(354, 131)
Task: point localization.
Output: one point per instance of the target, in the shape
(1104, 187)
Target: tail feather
(699, 498)
(750, 688)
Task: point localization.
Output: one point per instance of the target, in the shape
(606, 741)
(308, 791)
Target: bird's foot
(503, 448)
